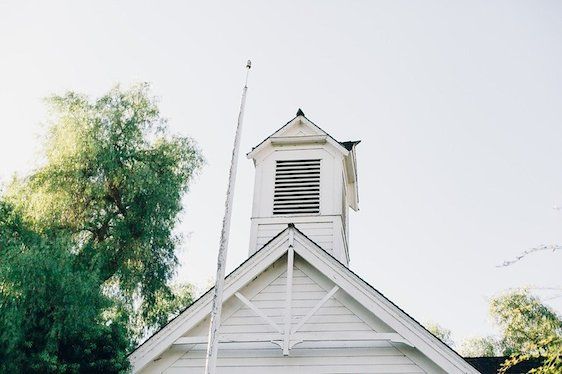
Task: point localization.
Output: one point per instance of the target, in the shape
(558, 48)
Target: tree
(86, 240)
(548, 350)
(528, 329)
(164, 309)
(52, 315)
(114, 180)
(524, 321)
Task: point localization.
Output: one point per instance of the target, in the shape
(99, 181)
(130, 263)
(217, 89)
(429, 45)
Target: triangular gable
(302, 127)
(315, 276)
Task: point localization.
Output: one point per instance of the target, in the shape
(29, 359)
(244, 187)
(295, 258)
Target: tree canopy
(52, 314)
(88, 243)
(527, 329)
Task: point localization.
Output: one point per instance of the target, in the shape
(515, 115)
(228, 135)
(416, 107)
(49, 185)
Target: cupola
(307, 178)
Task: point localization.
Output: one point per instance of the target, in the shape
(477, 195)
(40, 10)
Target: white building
(294, 306)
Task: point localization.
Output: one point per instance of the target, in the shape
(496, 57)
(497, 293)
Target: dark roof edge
(350, 144)
(489, 365)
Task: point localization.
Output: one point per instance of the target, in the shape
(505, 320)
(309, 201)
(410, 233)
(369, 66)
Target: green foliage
(550, 350)
(528, 329)
(114, 180)
(524, 322)
(86, 240)
(51, 314)
(168, 304)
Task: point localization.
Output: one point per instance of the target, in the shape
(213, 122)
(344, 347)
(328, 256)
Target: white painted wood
(321, 231)
(232, 338)
(239, 320)
(288, 295)
(350, 336)
(302, 361)
(436, 351)
(210, 365)
(261, 352)
(325, 369)
(337, 310)
(298, 127)
(298, 338)
(256, 310)
(164, 338)
(340, 337)
(303, 140)
(304, 319)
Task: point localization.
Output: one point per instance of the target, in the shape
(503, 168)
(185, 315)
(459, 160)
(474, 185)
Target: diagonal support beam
(313, 310)
(256, 310)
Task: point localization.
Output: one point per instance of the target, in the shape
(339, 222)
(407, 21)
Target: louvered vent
(297, 187)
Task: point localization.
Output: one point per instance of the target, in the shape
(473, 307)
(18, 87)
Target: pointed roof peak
(300, 112)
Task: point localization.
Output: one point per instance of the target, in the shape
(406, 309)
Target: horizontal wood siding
(322, 233)
(268, 358)
(310, 357)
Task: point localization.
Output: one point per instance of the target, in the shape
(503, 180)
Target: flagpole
(212, 346)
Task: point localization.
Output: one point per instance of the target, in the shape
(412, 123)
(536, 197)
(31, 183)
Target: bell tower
(307, 178)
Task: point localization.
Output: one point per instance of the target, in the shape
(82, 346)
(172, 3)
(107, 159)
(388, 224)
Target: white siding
(310, 357)
(269, 359)
(274, 206)
(322, 233)
(332, 316)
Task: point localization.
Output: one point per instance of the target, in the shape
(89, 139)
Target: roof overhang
(277, 138)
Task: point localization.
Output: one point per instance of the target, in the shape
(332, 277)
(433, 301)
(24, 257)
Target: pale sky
(458, 106)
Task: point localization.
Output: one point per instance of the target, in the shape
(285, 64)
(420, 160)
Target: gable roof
(345, 146)
(408, 328)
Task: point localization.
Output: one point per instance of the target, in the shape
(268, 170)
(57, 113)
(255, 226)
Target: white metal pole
(212, 346)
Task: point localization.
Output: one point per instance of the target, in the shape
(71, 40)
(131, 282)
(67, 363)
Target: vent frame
(296, 187)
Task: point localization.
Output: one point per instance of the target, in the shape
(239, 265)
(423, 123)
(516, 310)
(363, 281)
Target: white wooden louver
(297, 187)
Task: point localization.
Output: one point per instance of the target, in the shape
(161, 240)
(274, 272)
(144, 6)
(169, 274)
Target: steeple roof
(315, 135)
(348, 145)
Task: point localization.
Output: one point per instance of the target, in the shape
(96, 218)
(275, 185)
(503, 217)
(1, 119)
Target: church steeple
(305, 177)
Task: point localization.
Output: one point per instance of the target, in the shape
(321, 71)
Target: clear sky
(458, 105)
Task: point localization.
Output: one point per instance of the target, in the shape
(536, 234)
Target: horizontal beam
(299, 337)
(308, 139)
(234, 338)
(351, 336)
